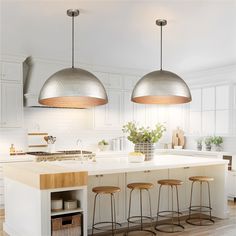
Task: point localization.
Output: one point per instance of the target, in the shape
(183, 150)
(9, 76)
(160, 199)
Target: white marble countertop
(121, 165)
(6, 158)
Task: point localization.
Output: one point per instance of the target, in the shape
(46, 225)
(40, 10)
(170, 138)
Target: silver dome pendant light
(161, 86)
(73, 87)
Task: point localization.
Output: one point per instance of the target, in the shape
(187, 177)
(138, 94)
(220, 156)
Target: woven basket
(147, 149)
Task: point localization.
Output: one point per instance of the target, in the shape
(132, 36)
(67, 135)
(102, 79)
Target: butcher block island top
(45, 176)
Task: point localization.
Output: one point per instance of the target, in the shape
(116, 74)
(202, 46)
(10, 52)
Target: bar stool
(131, 219)
(175, 227)
(106, 190)
(198, 221)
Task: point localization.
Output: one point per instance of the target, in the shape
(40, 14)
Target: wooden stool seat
(170, 182)
(201, 178)
(106, 189)
(140, 185)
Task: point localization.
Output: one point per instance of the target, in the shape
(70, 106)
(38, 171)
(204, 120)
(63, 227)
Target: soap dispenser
(12, 149)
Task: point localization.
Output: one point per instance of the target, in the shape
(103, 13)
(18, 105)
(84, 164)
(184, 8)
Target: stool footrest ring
(105, 222)
(200, 208)
(159, 214)
(138, 218)
(144, 230)
(181, 227)
(199, 221)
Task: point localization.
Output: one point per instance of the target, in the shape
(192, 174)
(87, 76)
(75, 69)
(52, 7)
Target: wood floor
(220, 228)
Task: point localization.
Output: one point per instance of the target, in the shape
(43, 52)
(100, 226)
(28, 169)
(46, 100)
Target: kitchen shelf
(64, 212)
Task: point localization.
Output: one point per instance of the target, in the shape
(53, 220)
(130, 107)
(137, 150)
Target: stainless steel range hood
(36, 72)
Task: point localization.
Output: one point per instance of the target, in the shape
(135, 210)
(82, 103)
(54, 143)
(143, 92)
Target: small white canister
(70, 204)
(56, 204)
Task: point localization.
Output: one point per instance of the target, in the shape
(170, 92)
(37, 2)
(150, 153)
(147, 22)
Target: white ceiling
(200, 34)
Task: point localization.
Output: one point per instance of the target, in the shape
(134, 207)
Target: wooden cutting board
(178, 138)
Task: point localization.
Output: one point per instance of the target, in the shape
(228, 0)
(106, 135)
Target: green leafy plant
(208, 141)
(199, 141)
(217, 140)
(143, 134)
(103, 142)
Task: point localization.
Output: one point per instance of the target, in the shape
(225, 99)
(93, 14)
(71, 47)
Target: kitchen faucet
(80, 145)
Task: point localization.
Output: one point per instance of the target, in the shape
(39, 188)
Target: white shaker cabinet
(109, 116)
(149, 176)
(11, 71)
(103, 209)
(11, 95)
(11, 105)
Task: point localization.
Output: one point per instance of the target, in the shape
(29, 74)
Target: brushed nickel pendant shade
(73, 87)
(161, 86)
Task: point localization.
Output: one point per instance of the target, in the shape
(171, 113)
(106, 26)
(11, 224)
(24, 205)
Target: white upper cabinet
(11, 95)
(12, 105)
(110, 80)
(128, 107)
(130, 81)
(110, 115)
(196, 103)
(222, 97)
(208, 99)
(11, 71)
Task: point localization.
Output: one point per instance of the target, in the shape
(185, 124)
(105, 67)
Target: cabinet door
(222, 122)
(11, 71)
(117, 180)
(130, 81)
(231, 184)
(93, 181)
(128, 107)
(222, 97)
(208, 122)
(150, 177)
(110, 115)
(196, 103)
(208, 99)
(12, 105)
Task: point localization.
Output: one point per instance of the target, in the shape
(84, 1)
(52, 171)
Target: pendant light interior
(73, 87)
(161, 86)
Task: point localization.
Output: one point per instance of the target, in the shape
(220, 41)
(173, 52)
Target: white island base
(28, 208)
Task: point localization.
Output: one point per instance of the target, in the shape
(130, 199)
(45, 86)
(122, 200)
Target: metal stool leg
(174, 226)
(200, 209)
(191, 199)
(150, 206)
(159, 200)
(112, 226)
(130, 195)
(141, 208)
(209, 199)
(177, 196)
(94, 209)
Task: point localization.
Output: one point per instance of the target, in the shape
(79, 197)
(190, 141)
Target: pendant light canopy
(73, 87)
(161, 86)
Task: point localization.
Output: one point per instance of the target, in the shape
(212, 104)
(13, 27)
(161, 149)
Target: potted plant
(217, 141)
(144, 138)
(199, 143)
(208, 142)
(103, 145)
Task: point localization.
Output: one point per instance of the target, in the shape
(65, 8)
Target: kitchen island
(21, 179)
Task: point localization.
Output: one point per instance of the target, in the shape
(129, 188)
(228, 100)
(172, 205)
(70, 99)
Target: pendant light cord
(161, 49)
(73, 40)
